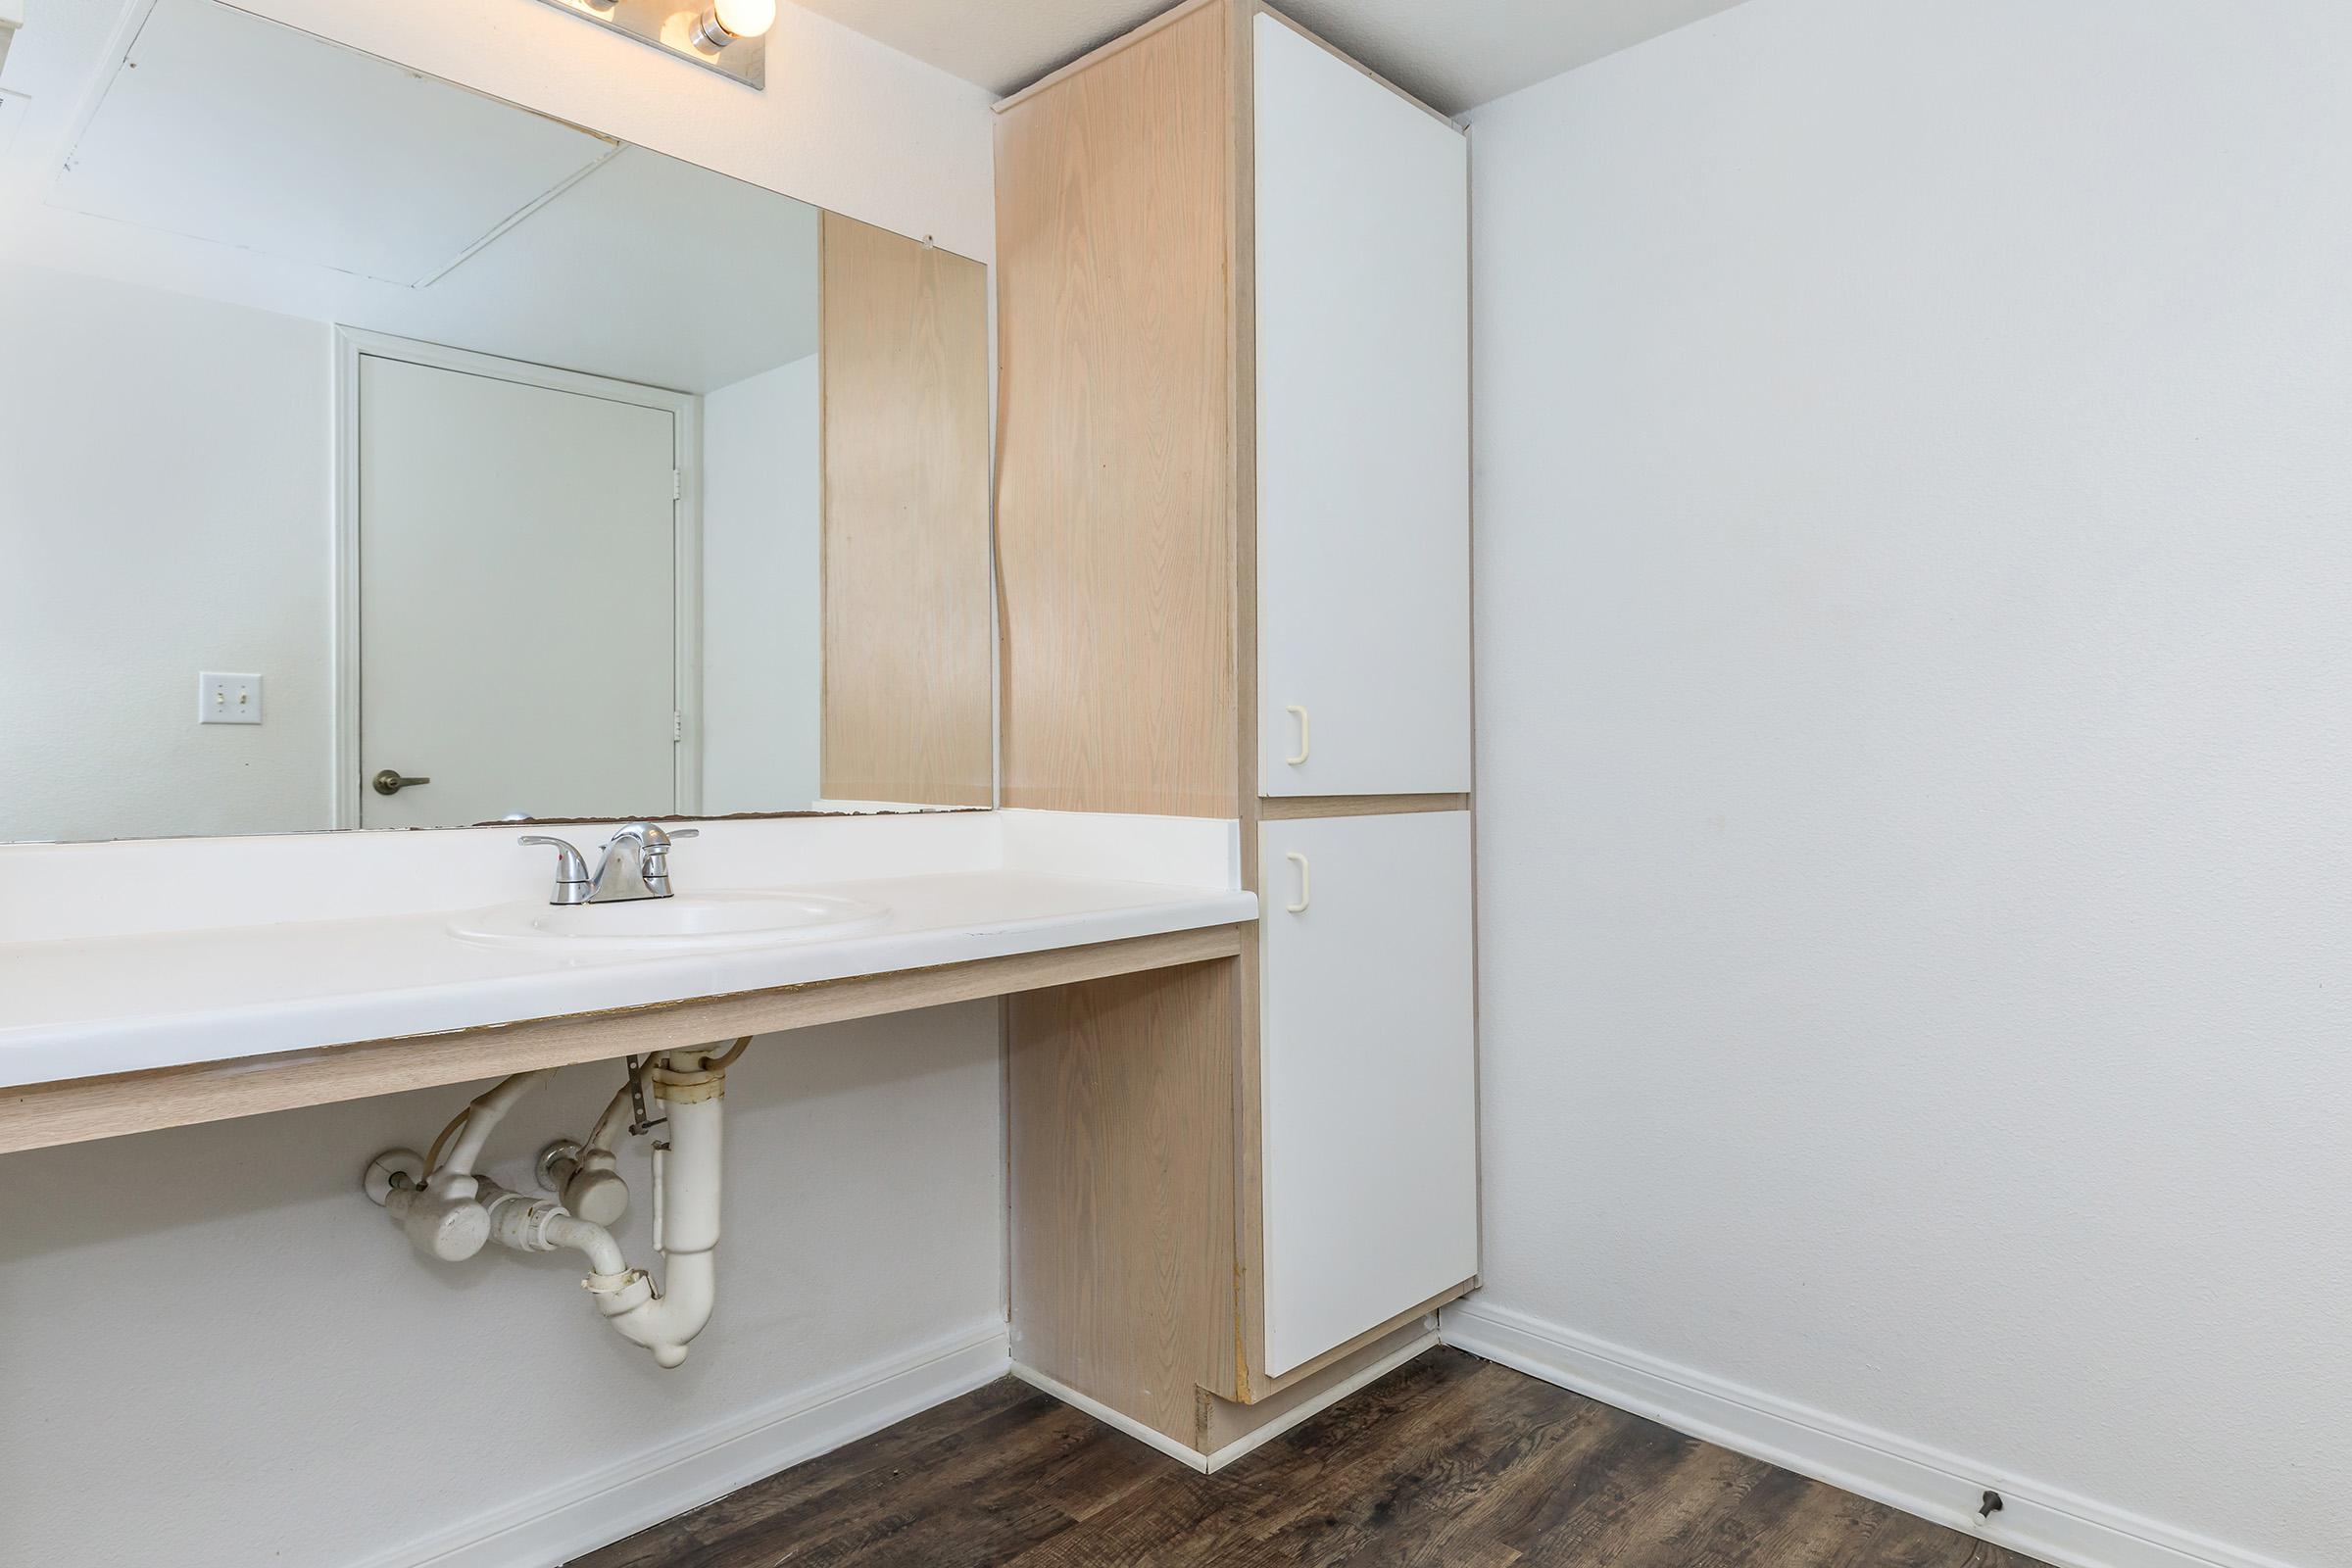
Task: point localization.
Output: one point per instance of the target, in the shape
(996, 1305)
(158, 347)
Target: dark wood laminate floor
(1448, 1460)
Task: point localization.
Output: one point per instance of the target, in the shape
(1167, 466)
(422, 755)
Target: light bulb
(729, 19)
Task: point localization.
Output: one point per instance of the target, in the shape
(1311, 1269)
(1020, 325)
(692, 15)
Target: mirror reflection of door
(217, 207)
(519, 540)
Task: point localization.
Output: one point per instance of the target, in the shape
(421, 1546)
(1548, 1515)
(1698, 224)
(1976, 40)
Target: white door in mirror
(517, 550)
(228, 699)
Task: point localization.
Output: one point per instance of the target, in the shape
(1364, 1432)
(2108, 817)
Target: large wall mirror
(377, 454)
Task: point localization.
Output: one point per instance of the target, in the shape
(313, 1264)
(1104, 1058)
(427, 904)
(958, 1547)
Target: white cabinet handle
(1306, 893)
(1306, 737)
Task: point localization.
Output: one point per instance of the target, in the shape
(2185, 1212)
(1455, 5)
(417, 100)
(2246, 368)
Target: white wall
(1915, 635)
(210, 550)
(169, 474)
(220, 1354)
(762, 592)
(846, 122)
(218, 1322)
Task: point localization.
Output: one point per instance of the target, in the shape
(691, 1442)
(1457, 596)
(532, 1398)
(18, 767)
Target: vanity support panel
(1122, 1094)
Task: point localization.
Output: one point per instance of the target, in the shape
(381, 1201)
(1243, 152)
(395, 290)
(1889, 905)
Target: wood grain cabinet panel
(1121, 1097)
(1115, 478)
(904, 371)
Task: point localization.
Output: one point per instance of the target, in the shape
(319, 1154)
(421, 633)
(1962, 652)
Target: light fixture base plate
(669, 27)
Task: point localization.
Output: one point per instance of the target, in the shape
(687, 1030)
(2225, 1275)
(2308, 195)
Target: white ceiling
(221, 126)
(226, 156)
(1453, 54)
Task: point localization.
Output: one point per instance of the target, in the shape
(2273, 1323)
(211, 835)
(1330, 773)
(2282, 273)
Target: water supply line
(450, 1212)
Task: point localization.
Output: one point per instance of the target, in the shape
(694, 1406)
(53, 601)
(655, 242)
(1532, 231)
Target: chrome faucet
(636, 866)
(636, 863)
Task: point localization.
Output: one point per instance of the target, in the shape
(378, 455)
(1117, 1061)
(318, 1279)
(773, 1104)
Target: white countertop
(78, 1006)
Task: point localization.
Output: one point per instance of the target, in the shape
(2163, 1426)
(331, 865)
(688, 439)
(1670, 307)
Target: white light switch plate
(228, 699)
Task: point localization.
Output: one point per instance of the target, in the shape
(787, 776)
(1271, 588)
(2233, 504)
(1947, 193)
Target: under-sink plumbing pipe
(450, 1212)
(526, 1224)
(478, 1121)
(436, 1199)
(587, 1177)
(686, 1182)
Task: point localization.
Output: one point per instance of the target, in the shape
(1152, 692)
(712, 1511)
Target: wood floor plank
(1415, 1491)
(1558, 1436)
(979, 1505)
(1707, 1490)
(1760, 1516)
(1336, 1484)
(1143, 1527)
(1591, 1502)
(888, 1450)
(1221, 1518)
(1447, 1462)
(856, 1499)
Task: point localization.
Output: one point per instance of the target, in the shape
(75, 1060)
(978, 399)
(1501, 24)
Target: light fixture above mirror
(728, 37)
(726, 22)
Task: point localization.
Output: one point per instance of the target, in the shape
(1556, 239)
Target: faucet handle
(656, 856)
(571, 872)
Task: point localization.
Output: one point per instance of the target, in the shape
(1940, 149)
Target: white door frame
(352, 344)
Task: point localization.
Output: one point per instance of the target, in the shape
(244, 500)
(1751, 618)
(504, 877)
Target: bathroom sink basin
(686, 923)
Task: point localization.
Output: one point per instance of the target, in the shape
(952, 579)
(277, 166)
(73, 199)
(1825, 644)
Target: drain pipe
(451, 1213)
(686, 1187)
(523, 1224)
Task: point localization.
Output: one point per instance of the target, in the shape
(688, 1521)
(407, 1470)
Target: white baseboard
(1211, 1463)
(1111, 1418)
(604, 1506)
(1362, 1377)
(2039, 1521)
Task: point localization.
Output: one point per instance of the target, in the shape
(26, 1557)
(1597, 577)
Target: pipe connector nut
(680, 1088)
(617, 1284)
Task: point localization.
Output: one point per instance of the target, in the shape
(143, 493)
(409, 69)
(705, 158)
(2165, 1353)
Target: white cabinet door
(1363, 432)
(1368, 1075)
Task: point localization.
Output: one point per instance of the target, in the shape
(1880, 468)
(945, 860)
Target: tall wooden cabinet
(1232, 518)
